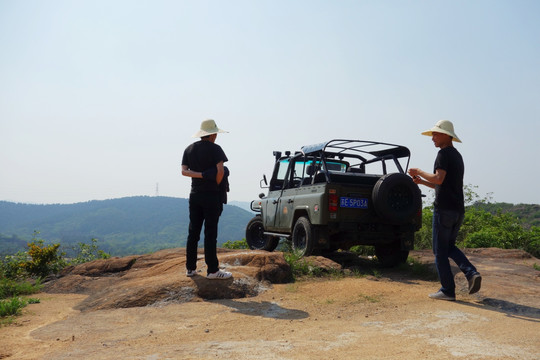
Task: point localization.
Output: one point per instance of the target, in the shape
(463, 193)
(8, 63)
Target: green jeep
(336, 195)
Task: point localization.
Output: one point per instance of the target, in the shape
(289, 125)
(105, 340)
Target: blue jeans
(446, 224)
(204, 208)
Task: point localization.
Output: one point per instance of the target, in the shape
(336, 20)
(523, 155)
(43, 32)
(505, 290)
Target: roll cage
(319, 162)
(366, 152)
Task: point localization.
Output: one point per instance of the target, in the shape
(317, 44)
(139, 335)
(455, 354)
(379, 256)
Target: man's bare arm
(190, 173)
(428, 179)
(220, 172)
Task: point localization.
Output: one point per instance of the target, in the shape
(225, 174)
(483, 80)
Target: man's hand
(210, 174)
(427, 179)
(213, 174)
(414, 172)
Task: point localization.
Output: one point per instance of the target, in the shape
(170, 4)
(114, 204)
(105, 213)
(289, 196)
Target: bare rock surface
(136, 281)
(144, 307)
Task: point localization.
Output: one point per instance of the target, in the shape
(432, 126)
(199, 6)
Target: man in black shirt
(448, 210)
(203, 162)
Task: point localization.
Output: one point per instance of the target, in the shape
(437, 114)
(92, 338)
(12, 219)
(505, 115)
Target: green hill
(132, 225)
(528, 214)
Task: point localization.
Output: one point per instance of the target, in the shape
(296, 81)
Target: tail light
(333, 201)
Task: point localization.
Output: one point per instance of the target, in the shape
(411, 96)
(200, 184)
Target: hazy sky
(98, 99)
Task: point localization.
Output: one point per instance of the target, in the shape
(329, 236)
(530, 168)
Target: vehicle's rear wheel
(390, 255)
(304, 236)
(255, 237)
(396, 198)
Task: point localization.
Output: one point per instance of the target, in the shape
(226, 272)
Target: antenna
(157, 189)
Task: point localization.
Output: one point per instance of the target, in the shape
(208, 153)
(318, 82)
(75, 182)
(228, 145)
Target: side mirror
(265, 182)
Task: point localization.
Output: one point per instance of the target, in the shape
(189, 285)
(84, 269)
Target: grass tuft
(12, 306)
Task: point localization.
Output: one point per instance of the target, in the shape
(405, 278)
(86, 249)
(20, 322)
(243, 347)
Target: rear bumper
(345, 235)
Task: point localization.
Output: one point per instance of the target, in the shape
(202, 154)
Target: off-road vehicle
(336, 195)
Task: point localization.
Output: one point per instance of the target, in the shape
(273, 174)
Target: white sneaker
(439, 295)
(219, 275)
(191, 273)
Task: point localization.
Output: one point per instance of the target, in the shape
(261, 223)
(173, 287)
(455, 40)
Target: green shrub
(11, 287)
(12, 306)
(502, 230)
(38, 261)
(300, 266)
(239, 244)
(12, 266)
(483, 238)
(533, 245)
(89, 252)
(41, 260)
(485, 229)
(44, 259)
(422, 238)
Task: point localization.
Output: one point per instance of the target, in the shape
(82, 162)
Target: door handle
(274, 202)
(290, 201)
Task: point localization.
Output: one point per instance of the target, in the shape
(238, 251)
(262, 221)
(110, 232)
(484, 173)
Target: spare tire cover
(396, 198)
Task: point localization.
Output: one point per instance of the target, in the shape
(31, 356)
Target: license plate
(356, 203)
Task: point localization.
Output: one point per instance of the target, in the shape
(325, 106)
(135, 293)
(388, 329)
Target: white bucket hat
(208, 127)
(444, 127)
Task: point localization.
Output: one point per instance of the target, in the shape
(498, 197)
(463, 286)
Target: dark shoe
(439, 295)
(474, 283)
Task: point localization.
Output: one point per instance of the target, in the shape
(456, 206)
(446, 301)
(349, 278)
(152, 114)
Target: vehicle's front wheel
(255, 237)
(303, 237)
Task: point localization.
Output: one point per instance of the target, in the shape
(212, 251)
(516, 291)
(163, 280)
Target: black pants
(204, 207)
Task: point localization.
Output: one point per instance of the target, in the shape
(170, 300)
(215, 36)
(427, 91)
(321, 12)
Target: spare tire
(396, 198)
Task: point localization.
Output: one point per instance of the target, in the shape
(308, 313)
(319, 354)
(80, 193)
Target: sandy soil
(388, 316)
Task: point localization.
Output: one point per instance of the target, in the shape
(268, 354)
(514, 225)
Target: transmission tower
(157, 189)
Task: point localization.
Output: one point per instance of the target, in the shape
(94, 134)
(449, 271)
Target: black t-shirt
(449, 195)
(200, 156)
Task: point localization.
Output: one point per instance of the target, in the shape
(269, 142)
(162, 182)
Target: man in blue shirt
(448, 210)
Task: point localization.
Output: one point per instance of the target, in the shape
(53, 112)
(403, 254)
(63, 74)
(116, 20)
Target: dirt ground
(387, 315)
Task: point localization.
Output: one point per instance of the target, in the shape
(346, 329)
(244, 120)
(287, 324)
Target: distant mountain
(132, 225)
(242, 205)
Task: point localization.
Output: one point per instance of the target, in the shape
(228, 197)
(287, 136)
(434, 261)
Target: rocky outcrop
(158, 278)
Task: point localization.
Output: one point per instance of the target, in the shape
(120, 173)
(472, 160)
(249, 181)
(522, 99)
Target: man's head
(443, 127)
(441, 140)
(208, 128)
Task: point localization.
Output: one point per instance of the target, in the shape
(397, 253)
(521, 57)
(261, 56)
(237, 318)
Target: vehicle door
(274, 194)
(293, 182)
